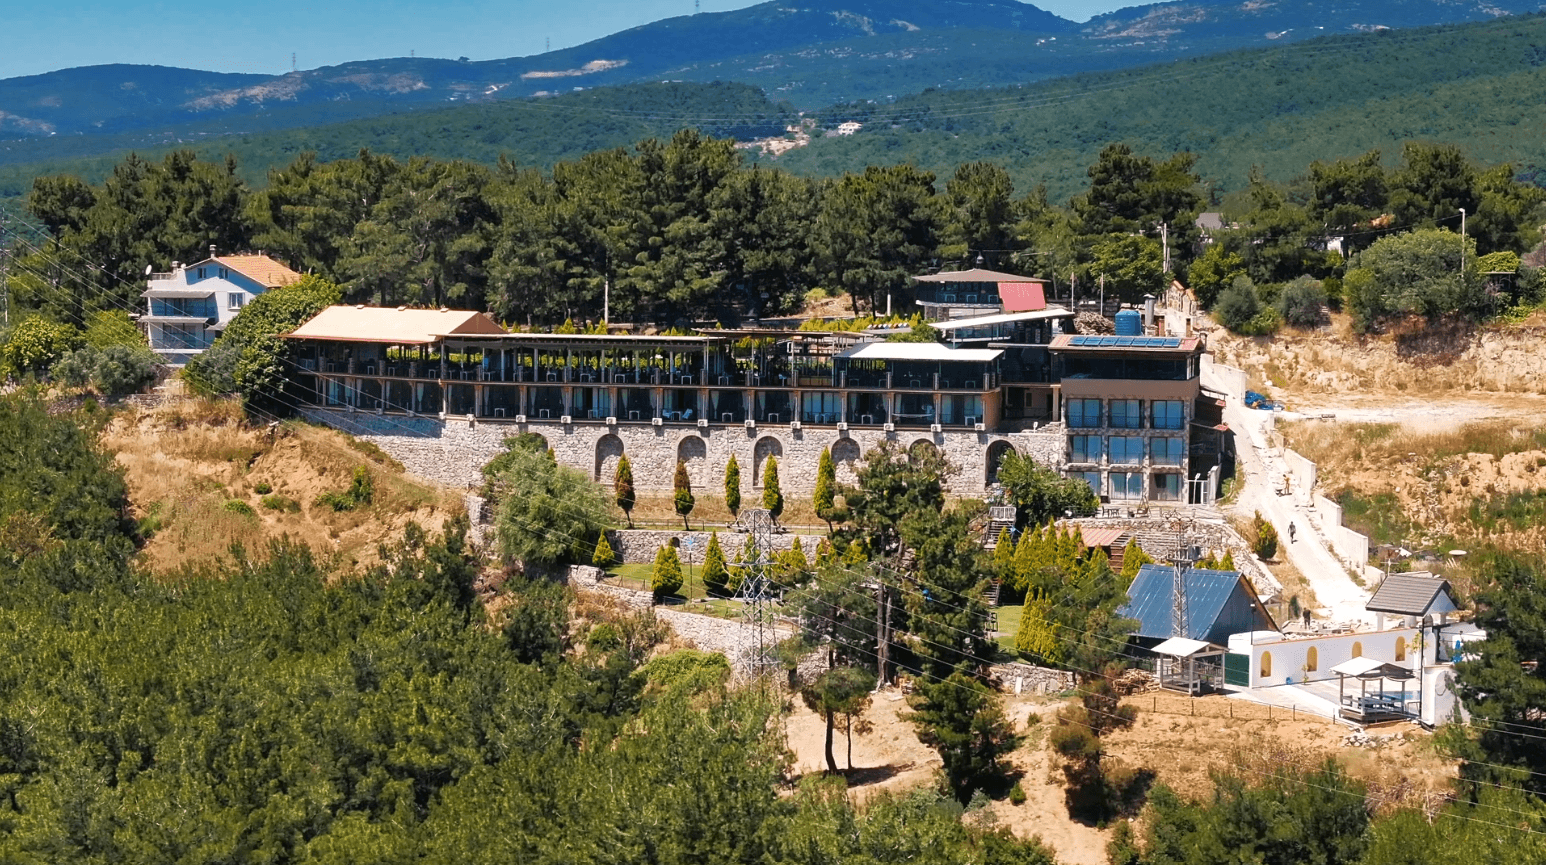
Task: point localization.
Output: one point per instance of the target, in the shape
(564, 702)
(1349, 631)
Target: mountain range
(809, 53)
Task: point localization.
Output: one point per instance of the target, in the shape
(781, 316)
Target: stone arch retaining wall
(452, 451)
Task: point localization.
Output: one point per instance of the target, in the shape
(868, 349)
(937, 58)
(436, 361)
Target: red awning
(1022, 296)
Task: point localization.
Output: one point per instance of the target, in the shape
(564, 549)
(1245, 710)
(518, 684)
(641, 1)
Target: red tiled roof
(1022, 296)
(1096, 537)
(261, 269)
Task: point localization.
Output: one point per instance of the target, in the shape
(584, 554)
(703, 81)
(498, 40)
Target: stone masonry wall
(639, 546)
(1158, 538)
(452, 451)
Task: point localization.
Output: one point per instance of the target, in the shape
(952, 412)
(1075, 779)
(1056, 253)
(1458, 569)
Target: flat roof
(976, 274)
(186, 293)
(1001, 318)
(398, 326)
(1181, 647)
(1369, 668)
(918, 351)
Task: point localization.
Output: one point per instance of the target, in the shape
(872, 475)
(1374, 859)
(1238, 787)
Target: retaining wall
(452, 451)
(639, 546)
(1350, 545)
(1224, 379)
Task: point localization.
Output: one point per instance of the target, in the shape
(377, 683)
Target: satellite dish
(147, 270)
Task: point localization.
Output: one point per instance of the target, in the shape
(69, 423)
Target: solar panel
(1078, 340)
(1108, 340)
(1127, 340)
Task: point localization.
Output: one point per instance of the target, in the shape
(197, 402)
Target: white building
(188, 307)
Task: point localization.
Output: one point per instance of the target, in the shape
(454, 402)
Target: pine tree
(715, 575)
(622, 485)
(667, 576)
(772, 497)
(826, 491)
(855, 554)
(1024, 563)
(733, 487)
(683, 497)
(1228, 562)
(603, 557)
(825, 555)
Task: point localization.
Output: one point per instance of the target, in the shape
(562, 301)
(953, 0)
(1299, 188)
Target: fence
(1160, 703)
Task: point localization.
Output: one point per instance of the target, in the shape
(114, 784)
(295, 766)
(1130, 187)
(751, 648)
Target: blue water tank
(1129, 323)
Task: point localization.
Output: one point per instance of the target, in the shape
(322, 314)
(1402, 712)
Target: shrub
(361, 491)
(603, 557)
(237, 506)
(36, 344)
(1017, 794)
(263, 488)
(1238, 305)
(1264, 538)
(1301, 302)
(667, 576)
(281, 503)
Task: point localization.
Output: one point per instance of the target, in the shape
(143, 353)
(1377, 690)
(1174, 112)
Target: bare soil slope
(194, 470)
(1182, 741)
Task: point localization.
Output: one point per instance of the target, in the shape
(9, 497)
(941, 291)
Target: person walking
(1291, 532)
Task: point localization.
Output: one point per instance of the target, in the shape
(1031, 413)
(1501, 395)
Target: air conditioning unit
(378, 409)
(566, 420)
(703, 423)
(935, 428)
(842, 426)
(520, 418)
(658, 421)
(890, 427)
(794, 424)
(751, 423)
(980, 427)
(611, 421)
(442, 415)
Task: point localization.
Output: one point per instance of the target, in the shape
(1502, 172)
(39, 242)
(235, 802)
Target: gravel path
(1342, 600)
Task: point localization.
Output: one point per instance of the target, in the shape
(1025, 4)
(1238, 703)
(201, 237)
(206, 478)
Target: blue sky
(259, 37)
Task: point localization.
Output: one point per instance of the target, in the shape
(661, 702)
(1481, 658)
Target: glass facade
(1127, 413)
(1167, 487)
(1125, 450)
(1084, 413)
(1084, 449)
(1126, 486)
(1167, 450)
(1169, 414)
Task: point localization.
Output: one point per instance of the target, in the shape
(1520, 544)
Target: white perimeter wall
(1289, 656)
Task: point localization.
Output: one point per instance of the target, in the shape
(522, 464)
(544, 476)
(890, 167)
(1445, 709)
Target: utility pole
(606, 300)
(1462, 249)
(1165, 243)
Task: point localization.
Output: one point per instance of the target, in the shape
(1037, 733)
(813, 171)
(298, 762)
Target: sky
(260, 37)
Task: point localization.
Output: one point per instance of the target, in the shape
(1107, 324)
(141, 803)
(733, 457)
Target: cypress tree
(826, 491)
(715, 575)
(683, 497)
(1025, 562)
(667, 576)
(772, 497)
(733, 487)
(1004, 557)
(603, 557)
(622, 485)
(1133, 558)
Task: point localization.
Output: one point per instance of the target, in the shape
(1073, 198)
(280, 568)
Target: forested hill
(534, 133)
(1480, 86)
(812, 54)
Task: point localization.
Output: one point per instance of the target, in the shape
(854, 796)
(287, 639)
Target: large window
(1084, 413)
(1126, 486)
(1169, 414)
(1167, 487)
(1125, 450)
(234, 300)
(1084, 449)
(1167, 450)
(821, 407)
(1126, 413)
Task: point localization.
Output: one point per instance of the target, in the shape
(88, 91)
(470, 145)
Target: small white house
(189, 306)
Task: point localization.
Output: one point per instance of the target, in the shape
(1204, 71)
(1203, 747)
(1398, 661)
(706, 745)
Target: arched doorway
(609, 449)
(693, 453)
(767, 446)
(996, 452)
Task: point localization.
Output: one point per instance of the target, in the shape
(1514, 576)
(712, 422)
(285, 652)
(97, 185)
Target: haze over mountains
(811, 54)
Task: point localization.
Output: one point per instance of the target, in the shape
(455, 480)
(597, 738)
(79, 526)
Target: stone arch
(845, 459)
(1358, 648)
(1401, 648)
(996, 452)
(695, 455)
(1312, 660)
(609, 448)
(767, 446)
(922, 443)
(1266, 664)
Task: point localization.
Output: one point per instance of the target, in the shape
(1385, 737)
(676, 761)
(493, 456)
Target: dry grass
(185, 461)
(658, 511)
(1333, 445)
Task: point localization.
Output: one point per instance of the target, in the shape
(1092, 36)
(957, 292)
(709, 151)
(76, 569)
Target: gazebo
(1189, 666)
(1368, 708)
